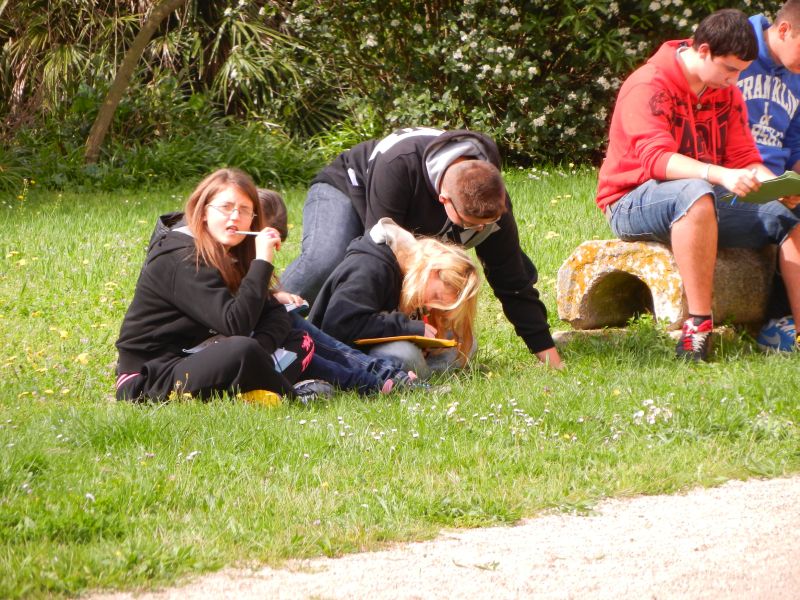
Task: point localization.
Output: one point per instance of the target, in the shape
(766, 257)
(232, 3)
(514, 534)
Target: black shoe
(311, 390)
(695, 341)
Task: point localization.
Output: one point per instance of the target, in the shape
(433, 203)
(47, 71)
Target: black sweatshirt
(361, 297)
(391, 178)
(177, 305)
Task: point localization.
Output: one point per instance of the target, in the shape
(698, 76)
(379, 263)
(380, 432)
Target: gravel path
(740, 540)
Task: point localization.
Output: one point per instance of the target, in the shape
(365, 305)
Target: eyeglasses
(228, 208)
(469, 224)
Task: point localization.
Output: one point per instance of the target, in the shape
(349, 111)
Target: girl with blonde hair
(391, 284)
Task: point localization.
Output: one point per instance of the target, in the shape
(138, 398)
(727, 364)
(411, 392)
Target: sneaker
(778, 335)
(310, 390)
(695, 340)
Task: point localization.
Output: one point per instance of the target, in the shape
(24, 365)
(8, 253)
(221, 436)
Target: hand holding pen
(268, 240)
(740, 181)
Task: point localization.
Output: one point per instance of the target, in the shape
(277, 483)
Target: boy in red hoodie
(679, 140)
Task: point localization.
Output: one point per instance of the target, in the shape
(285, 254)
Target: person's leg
(746, 225)
(330, 223)
(408, 355)
(694, 245)
(789, 260)
(444, 359)
(332, 349)
(234, 364)
(680, 213)
(344, 377)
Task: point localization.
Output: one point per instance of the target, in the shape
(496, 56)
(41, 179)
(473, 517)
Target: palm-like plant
(239, 56)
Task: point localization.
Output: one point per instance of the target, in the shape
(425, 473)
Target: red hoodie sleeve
(647, 112)
(640, 138)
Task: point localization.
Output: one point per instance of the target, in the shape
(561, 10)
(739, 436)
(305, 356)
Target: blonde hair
(234, 263)
(458, 272)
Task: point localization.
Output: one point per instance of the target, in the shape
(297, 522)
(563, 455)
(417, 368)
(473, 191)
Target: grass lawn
(95, 494)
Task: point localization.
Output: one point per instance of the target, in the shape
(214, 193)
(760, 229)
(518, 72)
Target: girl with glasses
(202, 320)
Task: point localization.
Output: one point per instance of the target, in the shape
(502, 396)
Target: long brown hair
(232, 262)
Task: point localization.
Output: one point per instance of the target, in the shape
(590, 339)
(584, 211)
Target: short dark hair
(789, 12)
(479, 188)
(727, 32)
(273, 210)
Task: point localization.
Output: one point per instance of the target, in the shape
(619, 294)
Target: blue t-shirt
(772, 95)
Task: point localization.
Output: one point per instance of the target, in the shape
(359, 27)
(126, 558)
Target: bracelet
(705, 171)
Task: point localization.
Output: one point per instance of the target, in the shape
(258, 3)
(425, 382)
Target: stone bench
(606, 282)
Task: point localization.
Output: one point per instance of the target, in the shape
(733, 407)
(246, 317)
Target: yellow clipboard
(419, 340)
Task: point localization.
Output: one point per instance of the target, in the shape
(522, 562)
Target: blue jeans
(648, 212)
(330, 223)
(346, 366)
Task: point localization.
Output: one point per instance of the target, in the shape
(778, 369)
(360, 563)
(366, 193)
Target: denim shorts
(648, 212)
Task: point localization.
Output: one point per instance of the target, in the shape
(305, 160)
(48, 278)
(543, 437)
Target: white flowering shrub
(539, 76)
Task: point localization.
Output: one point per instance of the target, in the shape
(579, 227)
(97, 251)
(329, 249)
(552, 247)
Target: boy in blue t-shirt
(771, 89)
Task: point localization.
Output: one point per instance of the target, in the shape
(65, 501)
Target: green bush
(158, 137)
(539, 76)
(236, 82)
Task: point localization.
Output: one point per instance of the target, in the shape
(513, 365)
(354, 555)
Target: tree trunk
(123, 77)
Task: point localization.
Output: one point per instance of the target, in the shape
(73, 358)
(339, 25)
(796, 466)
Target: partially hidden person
(679, 141)
(444, 184)
(770, 87)
(385, 370)
(393, 284)
(202, 321)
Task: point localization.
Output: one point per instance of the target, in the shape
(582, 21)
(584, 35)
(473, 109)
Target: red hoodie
(658, 115)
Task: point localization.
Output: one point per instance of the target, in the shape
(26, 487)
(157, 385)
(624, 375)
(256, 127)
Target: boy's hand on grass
(551, 358)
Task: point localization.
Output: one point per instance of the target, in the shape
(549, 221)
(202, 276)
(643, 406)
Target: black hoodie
(177, 305)
(394, 177)
(361, 297)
